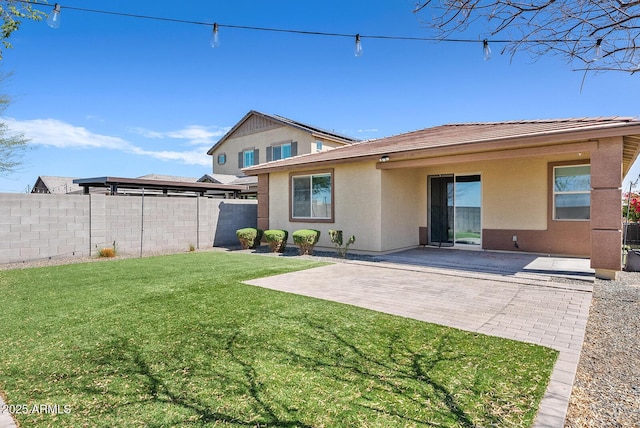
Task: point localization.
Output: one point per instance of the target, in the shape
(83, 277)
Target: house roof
(473, 137)
(163, 177)
(318, 132)
(55, 184)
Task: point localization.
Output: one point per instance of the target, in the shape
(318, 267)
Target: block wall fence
(42, 226)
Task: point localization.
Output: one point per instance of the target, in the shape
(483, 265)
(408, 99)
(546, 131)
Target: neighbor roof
(319, 132)
(55, 184)
(464, 134)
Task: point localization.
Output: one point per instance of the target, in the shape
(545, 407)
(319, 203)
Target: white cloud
(188, 158)
(195, 135)
(55, 133)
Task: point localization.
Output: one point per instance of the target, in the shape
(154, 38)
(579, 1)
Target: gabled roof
(318, 132)
(473, 137)
(55, 184)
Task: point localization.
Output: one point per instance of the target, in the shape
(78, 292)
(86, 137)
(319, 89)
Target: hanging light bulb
(358, 48)
(215, 40)
(486, 50)
(598, 53)
(53, 20)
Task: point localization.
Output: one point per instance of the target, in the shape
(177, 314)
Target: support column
(263, 201)
(606, 197)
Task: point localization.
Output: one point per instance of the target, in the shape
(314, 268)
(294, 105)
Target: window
(247, 157)
(572, 192)
(318, 146)
(282, 151)
(311, 196)
(222, 159)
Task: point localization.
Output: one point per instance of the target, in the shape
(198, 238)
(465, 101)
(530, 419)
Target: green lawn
(180, 341)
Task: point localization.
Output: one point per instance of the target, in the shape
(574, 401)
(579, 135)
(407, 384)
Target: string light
(54, 22)
(215, 40)
(358, 47)
(486, 50)
(598, 53)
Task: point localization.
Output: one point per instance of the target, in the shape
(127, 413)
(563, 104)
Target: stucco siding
(515, 194)
(262, 140)
(356, 206)
(386, 208)
(403, 196)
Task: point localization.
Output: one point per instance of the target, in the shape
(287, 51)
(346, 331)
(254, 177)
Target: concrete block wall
(41, 226)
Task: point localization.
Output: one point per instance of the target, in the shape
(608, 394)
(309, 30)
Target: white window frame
(245, 154)
(312, 217)
(556, 193)
(280, 148)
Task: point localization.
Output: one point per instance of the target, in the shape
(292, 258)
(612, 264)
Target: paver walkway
(530, 310)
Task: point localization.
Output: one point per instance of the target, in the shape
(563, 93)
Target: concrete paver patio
(535, 310)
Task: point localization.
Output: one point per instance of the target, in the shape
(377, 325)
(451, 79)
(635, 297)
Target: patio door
(455, 210)
(441, 200)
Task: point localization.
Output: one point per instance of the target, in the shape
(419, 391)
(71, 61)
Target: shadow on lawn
(129, 360)
(403, 375)
(391, 376)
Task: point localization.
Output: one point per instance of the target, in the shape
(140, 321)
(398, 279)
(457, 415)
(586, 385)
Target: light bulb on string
(215, 39)
(486, 50)
(358, 47)
(598, 50)
(53, 20)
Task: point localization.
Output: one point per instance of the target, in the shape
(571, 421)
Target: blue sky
(119, 96)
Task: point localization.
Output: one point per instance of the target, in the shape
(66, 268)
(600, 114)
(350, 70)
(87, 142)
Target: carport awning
(116, 183)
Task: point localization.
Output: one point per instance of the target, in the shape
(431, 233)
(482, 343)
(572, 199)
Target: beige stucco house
(259, 137)
(543, 186)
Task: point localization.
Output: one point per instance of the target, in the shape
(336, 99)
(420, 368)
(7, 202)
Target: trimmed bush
(277, 239)
(336, 238)
(306, 239)
(249, 237)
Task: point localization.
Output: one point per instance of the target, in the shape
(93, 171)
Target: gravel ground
(606, 392)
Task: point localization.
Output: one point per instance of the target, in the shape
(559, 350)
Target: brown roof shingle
(457, 134)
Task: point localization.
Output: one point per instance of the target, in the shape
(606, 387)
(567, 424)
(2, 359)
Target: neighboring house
(543, 186)
(52, 184)
(258, 138)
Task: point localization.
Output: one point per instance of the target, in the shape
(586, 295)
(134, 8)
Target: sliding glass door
(455, 210)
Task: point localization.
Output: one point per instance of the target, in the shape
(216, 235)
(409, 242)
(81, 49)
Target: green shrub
(336, 238)
(277, 239)
(249, 237)
(306, 239)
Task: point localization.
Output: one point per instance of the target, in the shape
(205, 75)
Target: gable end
(255, 124)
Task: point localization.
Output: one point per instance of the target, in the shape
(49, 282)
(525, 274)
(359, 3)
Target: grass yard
(180, 341)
